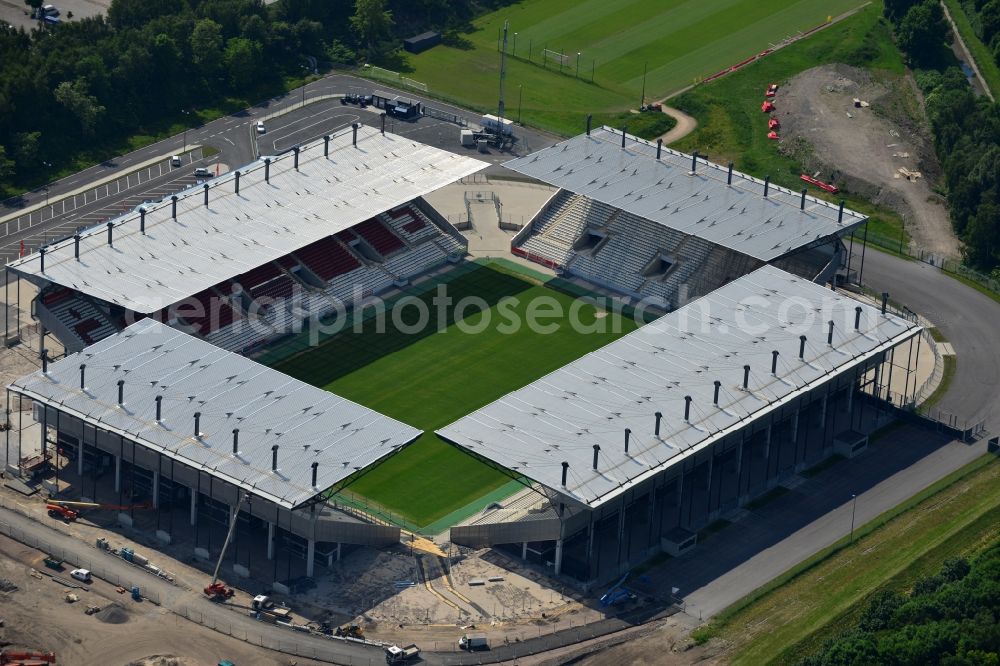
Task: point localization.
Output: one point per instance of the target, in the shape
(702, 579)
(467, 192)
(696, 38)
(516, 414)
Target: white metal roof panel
(591, 401)
(234, 233)
(701, 204)
(230, 391)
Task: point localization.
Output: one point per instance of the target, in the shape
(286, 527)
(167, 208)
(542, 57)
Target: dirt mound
(161, 660)
(113, 614)
(863, 148)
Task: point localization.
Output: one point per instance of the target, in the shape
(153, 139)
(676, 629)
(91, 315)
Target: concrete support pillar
(822, 413)
(270, 542)
(559, 551)
(310, 557)
(795, 426)
(524, 550)
(118, 474)
(338, 551)
(156, 489)
(79, 458)
(194, 507)
(767, 442)
(850, 395)
(876, 388)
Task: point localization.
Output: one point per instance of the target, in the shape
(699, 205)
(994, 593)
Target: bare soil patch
(862, 149)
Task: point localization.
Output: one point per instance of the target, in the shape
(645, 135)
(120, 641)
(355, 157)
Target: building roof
(230, 391)
(206, 245)
(561, 417)
(664, 190)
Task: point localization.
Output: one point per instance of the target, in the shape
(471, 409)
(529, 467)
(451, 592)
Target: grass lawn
(676, 41)
(729, 117)
(437, 374)
(795, 614)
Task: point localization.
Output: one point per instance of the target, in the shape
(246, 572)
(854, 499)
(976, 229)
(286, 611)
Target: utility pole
(642, 102)
(519, 92)
(854, 506)
(503, 76)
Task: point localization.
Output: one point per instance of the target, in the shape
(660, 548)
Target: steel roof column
(270, 540)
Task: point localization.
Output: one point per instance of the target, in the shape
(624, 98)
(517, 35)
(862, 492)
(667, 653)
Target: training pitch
(675, 42)
(467, 354)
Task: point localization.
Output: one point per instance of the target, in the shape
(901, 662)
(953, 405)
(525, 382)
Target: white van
(82, 575)
(175, 161)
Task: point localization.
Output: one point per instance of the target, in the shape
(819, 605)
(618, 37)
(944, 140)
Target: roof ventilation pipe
(295, 150)
(656, 429)
(774, 362)
(142, 220)
(767, 185)
(840, 213)
(76, 246)
(565, 472)
(802, 347)
(326, 145)
(354, 137)
(236, 441)
(111, 227)
(659, 147)
(173, 206)
(382, 115)
(237, 177)
(121, 392)
(885, 301)
(597, 450)
(687, 409)
(83, 376)
(802, 202)
(857, 318)
(829, 333)
(590, 118)
(206, 194)
(267, 169)
(746, 377)
(41, 252)
(624, 130)
(715, 398)
(197, 425)
(628, 433)
(729, 178)
(315, 471)
(45, 365)
(694, 162)
(274, 458)
(159, 408)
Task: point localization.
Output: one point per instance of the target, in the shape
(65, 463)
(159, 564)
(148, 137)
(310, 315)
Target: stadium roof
(206, 245)
(561, 417)
(664, 190)
(230, 391)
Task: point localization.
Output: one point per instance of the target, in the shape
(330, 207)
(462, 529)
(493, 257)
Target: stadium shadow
(352, 349)
(817, 493)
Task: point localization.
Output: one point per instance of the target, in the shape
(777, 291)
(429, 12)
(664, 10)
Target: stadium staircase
(525, 516)
(72, 317)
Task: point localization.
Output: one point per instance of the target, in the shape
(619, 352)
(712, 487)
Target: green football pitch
(675, 41)
(459, 361)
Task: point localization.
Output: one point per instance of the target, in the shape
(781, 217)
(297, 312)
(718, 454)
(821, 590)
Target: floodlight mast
(503, 75)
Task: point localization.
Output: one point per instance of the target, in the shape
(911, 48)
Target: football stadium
(304, 346)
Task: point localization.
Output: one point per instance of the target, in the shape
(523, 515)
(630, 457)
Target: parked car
(260, 127)
(82, 575)
(175, 161)
(202, 172)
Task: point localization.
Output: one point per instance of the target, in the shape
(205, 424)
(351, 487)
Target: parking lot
(18, 14)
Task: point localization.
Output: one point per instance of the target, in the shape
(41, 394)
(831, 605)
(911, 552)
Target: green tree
(26, 149)
(242, 59)
(34, 4)
(921, 33)
(6, 165)
(76, 98)
(206, 44)
(372, 23)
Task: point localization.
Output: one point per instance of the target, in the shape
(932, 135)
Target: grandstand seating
(327, 258)
(205, 312)
(409, 223)
(412, 263)
(628, 247)
(379, 237)
(69, 313)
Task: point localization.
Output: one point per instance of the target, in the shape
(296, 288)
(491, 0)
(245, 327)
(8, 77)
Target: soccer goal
(560, 59)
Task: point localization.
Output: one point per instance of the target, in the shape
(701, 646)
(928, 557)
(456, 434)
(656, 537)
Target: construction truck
(70, 511)
(400, 655)
(217, 591)
(350, 631)
(17, 658)
(472, 642)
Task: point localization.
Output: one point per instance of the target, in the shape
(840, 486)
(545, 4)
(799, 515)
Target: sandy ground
(862, 149)
(685, 124)
(37, 617)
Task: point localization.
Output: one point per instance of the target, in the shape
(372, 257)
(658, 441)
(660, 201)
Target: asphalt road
(969, 320)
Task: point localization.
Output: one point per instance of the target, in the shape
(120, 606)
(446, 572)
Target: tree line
(966, 128)
(87, 85)
(951, 618)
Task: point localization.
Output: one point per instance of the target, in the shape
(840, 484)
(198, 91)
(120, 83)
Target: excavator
(217, 590)
(70, 511)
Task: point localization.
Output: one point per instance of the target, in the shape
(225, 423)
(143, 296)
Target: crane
(217, 590)
(71, 510)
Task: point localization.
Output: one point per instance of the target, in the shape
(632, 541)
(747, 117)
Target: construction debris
(909, 175)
